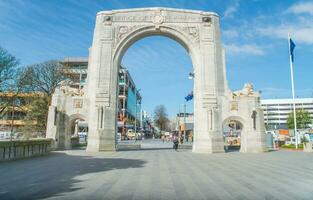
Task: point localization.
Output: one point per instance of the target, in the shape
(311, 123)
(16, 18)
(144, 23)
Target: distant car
(290, 140)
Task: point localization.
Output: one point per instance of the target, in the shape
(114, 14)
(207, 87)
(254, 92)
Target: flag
(292, 46)
(189, 96)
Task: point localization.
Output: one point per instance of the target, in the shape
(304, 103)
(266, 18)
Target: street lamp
(191, 75)
(185, 122)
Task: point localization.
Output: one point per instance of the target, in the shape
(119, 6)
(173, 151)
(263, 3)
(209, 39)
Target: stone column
(102, 88)
(208, 133)
(252, 137)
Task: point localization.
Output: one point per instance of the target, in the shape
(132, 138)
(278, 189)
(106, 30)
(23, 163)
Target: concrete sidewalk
(159, 174)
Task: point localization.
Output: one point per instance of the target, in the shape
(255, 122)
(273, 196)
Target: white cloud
(230, 10)
(230, 33)
(301, 8)
(300, 32)
(251, 49)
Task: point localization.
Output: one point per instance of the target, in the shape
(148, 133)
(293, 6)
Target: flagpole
(293, 94)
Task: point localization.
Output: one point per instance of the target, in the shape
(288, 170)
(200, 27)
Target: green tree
(43, 78)
(36, 117)
(160, 117)
(303, 119)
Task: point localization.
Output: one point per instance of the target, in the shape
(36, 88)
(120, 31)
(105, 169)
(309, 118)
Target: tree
(36, 117)
(8, 71)
(8, 68)
(303, 119)
(160, 117)
(42, 77)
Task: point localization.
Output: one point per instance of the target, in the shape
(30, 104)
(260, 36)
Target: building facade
(129, 98)
(75, 69)
(13, 109)
(129, 104)
(185, 123)
(276, 111)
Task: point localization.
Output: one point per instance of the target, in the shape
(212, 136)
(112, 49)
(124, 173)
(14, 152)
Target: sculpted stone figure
(64, 86)
(247, 90)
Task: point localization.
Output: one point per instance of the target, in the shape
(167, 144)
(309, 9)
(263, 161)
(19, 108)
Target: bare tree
(160, 117)
(42, 77)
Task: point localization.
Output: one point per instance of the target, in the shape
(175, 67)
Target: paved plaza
(159, 174)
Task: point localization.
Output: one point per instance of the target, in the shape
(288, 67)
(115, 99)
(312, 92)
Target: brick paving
(159, 174)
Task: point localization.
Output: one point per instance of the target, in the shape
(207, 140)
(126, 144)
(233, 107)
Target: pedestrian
(181, 139)
(175, 142)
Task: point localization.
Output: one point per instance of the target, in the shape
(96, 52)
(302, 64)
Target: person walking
(175, 142)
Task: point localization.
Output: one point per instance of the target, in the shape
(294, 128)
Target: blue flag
(292, 46)
(189, 96)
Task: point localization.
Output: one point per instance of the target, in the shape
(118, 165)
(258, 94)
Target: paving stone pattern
(159, 174)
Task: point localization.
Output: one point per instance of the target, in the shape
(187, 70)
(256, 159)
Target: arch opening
(233, 128)
(181, 123)
(78, 131)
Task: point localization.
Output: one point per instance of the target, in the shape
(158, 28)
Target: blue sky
(254, 34)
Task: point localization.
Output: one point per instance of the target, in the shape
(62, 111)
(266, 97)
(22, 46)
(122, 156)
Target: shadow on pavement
(48, 176)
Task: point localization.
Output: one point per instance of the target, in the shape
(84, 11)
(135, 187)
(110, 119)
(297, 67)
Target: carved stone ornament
(234, 105)
(107, 20)
(122, 31)
(194, 32)
(158, 19)
(247, 90)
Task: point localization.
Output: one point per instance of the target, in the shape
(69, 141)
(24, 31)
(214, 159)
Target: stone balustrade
(17, 149)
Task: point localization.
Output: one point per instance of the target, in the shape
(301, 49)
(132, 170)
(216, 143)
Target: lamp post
(191, 76)
(185, 122)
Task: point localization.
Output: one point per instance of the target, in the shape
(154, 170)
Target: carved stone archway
(199, 33)
(116, 30)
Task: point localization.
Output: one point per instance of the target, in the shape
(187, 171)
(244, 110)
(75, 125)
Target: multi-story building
(129, 103)
(75, 69)
(129, 97)
(276, 111)
(13, 109)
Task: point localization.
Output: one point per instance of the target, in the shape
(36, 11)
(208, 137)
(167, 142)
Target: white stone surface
(199, 33)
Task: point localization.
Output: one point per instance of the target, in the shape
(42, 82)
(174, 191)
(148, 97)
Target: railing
(17, 149)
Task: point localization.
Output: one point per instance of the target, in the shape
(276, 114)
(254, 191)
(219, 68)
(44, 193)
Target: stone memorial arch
(199, 33)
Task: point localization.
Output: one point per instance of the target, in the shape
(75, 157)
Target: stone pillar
(208, 133)
(102, 88)
(253, 135)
